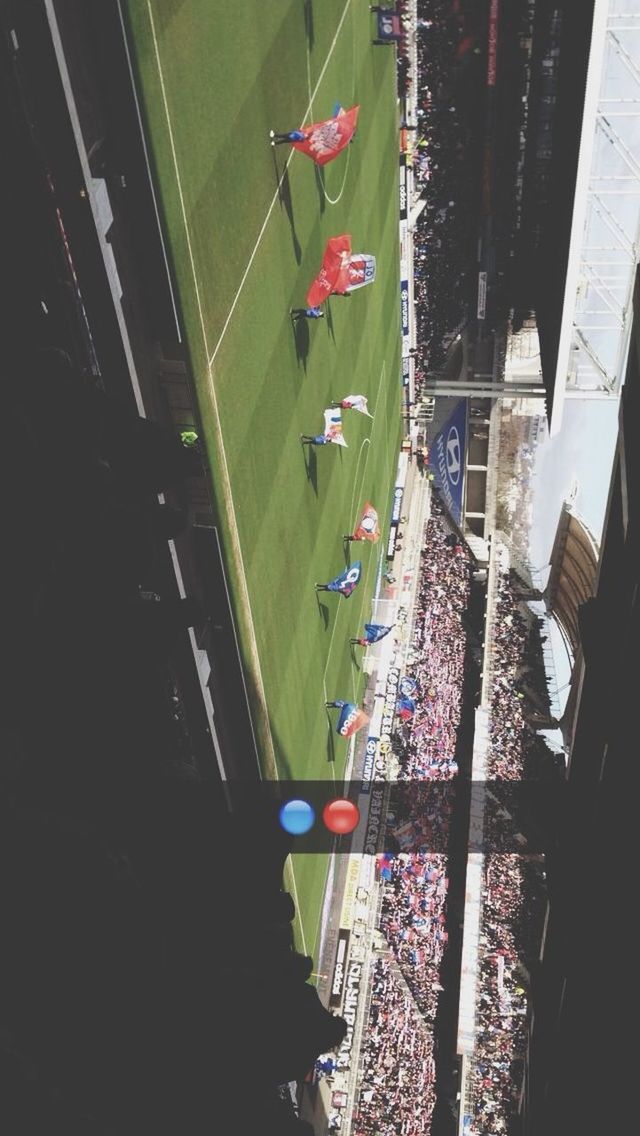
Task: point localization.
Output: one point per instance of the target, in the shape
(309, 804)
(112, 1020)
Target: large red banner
(323, 141)
(369, 524)
(334, 274)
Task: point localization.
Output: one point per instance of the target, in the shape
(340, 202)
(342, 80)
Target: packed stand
(413, 922)
(397, 1086)
(518, 686)
(438, 151)
(419, 816)
(437, 656)
(408, 25)
(398, 1050)
(512, 898)
(513, 888)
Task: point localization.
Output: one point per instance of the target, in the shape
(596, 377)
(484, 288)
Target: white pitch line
(357, 487)
(335, 200)
(365, 442)
(226, 480)
(325, 909)
(288, 867)
(221, 452)
(383, 371)
(277, 192)
(233, 528)
(174, 155)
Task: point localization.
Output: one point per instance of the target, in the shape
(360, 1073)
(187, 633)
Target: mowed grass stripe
(289, 531)
(246, 451)
(244, 612)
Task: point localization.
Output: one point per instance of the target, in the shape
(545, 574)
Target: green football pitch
(246, 224)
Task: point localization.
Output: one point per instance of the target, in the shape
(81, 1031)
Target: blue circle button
(297, 817)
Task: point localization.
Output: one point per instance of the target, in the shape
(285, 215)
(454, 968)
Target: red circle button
(341, 816)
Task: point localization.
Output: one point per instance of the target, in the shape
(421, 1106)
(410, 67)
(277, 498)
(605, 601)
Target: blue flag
(447, 458)
(407, 686)
(351, 719)
(374, 632)
(347, 580)
(405, 707)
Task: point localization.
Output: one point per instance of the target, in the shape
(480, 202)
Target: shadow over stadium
(308, 23)
(148, 953)
(324, 611)
(322, 197)
(284, 194)
(331, 744)
(301, 339)
(311, 466)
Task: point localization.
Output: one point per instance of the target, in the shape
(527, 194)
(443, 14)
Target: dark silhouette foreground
(150, 981)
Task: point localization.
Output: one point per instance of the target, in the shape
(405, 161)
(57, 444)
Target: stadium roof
(588, 280)
(554, 251)
(574, 567)
(576, 1063)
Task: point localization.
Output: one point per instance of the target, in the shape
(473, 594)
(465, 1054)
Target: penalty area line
(277, 192)
(288, 868)
(221, 452)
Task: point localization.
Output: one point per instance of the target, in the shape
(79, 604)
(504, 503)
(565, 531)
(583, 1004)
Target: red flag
(335, 259)
(323, 141)
(368, 525)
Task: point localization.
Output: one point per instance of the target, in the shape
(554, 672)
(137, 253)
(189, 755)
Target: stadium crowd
(414, 889)
(438, 152)
(518, 686)
(412, 922)
(413, 910)
(397, 1094)
(436, 658)
(512, 895)
(440, 250)
(513, 886)
(415, 884)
